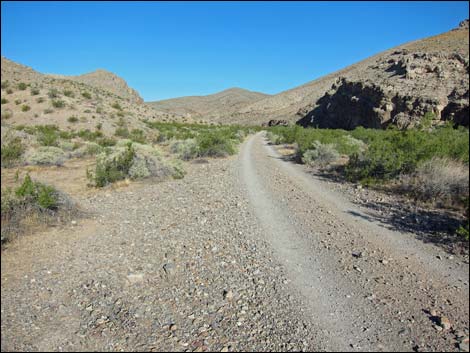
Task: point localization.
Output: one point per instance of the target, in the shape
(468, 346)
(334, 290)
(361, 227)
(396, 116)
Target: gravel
(219, 262)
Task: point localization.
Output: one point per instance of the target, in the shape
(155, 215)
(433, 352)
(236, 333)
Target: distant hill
(213, 107)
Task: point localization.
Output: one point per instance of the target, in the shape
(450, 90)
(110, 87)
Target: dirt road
(244, 253)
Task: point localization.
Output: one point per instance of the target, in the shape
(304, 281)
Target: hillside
(396, 86)
(214, 107)
(99, 99)
(107, 80)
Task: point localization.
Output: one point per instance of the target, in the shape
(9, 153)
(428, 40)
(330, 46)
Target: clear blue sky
(166, 49)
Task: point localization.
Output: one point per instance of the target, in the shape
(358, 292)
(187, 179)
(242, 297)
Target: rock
(224, 349)
(169, 269)
(444, 322)
(135, 278)
(383, 261)
(433, 312)
(357, 254)
(173, 327)
(228, 295)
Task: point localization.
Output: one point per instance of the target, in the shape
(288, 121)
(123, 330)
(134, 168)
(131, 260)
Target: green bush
(25, 108)
(5, 84)
(43, 195)
(86, 95)
(391, 152)
(72, 119)
(99, 126)
(40, 100)
(22, 86)
(47, 135)
(6, 114)
(112, 167)
(58, 103)
(4, 101)
(116, 105)
(122, 132)
(69, 93)
(215, 144)
(17, 101)
(35, 91)
(53, 93)
(11, 151)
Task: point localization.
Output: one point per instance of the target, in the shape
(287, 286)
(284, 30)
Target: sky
(172, 49)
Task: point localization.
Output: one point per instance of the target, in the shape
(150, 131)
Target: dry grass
(439, 179)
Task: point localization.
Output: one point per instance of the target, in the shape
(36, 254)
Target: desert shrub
(88, 135)
(99, 110)
(22, 86)
(35, 91)
(112, 167)
(87, 149)
(30, 204)
(99, 126)
(25, 108)
(11, 151)
(53, 93)
(47, 135)
(46, 155)
(106, 141)
(185, 149)
(274, 138)
(133, 161)
(122, 132)
(438, 178)
(138, 136)
(116, 105)
(69, 93)
(6, 114)
(40, 100)
(214, 144)
(48, 111)
(72, 119)
(86, 95)
(17, 101)
(4, 101)
(43, 195)
(5, 84)
(391, 153)
(9, 91)
(66, 146)
(58, 103)
(321, 154)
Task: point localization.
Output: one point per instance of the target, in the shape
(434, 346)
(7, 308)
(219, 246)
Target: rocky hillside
(107, 80)
(99, 100)
(217, 107)
(397, 86)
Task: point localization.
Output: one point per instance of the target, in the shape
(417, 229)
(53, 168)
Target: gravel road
(245, 253)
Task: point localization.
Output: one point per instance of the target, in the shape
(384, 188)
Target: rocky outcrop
(398, 89)
(274, 122)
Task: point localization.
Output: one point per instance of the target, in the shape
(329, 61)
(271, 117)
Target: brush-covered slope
(96, 100)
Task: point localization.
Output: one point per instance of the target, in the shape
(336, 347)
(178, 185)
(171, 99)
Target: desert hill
(212, 107)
